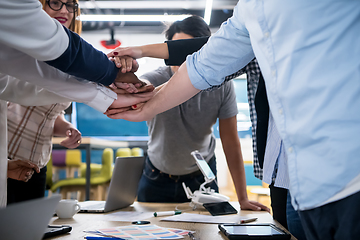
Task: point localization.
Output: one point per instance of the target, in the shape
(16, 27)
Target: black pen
(192, 236)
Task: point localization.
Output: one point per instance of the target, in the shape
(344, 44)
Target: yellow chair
(99, 182)
(137, 152)
(95, 168)
(123, 152)
(68, 160)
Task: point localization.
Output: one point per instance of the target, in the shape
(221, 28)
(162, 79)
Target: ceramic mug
(67, 208)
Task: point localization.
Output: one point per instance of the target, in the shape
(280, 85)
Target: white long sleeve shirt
(27, 93)
(26, 30)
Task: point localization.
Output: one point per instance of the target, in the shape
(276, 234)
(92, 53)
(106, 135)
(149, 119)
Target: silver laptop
(123, 186)
(27, 220)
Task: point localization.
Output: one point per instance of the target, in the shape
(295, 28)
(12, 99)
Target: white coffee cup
(67, 208)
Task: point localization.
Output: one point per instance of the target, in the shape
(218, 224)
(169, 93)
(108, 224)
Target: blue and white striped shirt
(275, 162)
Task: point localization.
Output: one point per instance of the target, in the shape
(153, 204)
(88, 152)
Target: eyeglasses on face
(57, 5)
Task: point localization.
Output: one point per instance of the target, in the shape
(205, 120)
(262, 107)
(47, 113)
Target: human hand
(129, 78)
(126, 63)
(134, 113)
(125, 101)
(253, 205)
(134, 52)
(73, 138)
(21, 170)
(130, 88)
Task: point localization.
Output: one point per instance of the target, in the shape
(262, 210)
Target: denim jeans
(293, 220)
(155, 186)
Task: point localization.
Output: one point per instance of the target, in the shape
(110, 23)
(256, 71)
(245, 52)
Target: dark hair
(194, 26)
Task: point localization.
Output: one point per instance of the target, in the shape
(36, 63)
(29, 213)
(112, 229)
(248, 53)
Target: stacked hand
(130, 90)
(21, 170)
(133, 52)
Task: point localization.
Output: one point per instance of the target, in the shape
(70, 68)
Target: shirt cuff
(103, 99)
(196, 79)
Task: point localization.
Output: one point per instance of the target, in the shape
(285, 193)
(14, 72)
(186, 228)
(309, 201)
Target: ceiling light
(132, 18)
(208, 10)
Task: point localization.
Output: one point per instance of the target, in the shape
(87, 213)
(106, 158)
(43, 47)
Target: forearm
(27, 72)
(176, 91)
(179, 49)
(159, 50)
(232, 149)
(26, 27)
(47, 40)
(61, 126)
(84, 61)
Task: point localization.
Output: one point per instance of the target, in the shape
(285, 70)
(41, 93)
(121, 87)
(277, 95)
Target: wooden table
(86, 221)
(88, 144)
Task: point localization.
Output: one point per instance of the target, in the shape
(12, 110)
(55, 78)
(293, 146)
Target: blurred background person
(177, 132)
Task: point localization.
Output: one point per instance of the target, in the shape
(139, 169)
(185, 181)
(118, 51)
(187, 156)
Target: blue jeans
(293, 220)
(155, 186)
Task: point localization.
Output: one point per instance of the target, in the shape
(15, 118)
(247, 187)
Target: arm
(63, 128)
(158, 50)
(174, 52)
(26, 27)
(67, 89)
(178, 50)
(26, 68)
(176, 91)
(232, 149)
(226, 51)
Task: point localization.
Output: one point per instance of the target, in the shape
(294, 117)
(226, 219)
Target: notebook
(123, 186)
(27, 220)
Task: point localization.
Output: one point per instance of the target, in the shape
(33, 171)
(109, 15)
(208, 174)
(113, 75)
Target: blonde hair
(75, 25)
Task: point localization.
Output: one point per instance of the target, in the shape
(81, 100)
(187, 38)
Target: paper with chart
(143, 232)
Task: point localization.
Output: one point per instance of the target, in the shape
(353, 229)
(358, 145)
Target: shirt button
(267, 34)
(290, 149)
(273, 72)
(280, 111)
(105, 98)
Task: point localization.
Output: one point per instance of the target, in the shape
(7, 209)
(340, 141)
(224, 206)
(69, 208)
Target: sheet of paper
(192, 217)
(144, 232)
(130, 216)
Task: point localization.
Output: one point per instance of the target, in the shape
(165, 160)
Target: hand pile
(131, 92)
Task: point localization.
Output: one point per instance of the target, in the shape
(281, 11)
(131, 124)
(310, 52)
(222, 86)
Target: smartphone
(55, 230)
(253, 231)
(204, 166)
(220, 208)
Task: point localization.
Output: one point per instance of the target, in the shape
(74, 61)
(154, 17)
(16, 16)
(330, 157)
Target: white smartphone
(203, 165)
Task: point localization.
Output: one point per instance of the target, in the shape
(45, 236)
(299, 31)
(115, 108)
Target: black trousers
(18, 191)
(334, 221)
(278, 198)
